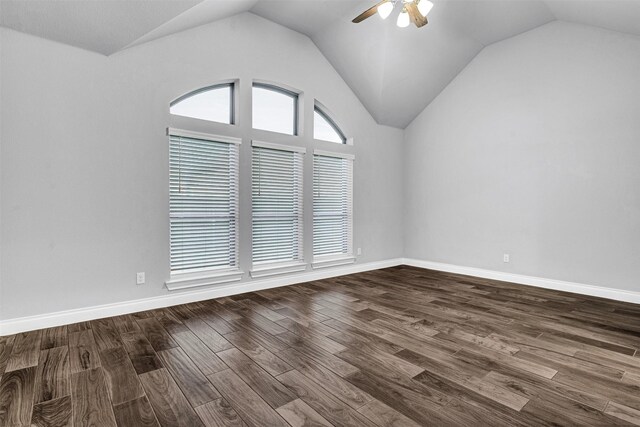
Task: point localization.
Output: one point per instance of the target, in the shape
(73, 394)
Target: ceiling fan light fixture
(403, 19)
(412, 11)
(385, 9)
(424, 7)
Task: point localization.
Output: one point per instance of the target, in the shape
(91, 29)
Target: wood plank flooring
(395, 347)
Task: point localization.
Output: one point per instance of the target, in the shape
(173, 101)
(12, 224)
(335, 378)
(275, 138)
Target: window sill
(333, 262)
(275, 269)
(193, 280)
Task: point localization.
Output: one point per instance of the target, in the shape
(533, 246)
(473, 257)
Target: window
(275, 109)
(213, 103)
(276, 190)
(325, 129)
(203, 202)
(332, 207)
(204, 188)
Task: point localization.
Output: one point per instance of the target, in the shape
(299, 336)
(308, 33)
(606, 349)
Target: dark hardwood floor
(395, 347)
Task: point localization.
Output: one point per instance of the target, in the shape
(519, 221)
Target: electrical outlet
(506, 258)
(140, 278)
(359, 252)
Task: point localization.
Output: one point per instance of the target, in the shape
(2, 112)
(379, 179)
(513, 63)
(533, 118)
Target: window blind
(277, 204)
(332, 206)
(203, 203)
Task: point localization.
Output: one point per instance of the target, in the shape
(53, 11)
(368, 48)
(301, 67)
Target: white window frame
(218, 275)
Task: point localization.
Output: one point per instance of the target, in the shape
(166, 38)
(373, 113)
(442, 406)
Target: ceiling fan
(412, 11)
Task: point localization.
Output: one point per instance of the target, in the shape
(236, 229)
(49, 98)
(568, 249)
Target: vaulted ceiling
(395, 72)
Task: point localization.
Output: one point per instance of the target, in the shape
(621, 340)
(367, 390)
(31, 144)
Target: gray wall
(533, 150)
(84, 157)
(1, 115)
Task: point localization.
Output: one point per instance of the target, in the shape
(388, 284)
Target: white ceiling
(395, 72)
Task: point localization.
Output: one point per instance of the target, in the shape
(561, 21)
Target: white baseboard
(22, 324)
(559, 285)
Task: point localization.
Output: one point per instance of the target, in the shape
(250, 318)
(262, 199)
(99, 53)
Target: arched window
(324, 128)
(274, 109)
(213, 103)
(204, 190)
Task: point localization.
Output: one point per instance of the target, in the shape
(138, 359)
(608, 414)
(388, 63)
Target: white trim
(273, 146)
(202, 135)
(279, 268)
(559, 285)
(22, 324)
(334, 154)
(187, 280)
(333, 261)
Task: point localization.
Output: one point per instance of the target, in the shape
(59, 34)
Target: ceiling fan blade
(368, 13)
(416, 16)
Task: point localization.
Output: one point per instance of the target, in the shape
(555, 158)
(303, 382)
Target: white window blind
(277, 204)
(203, 203)
(332, 206)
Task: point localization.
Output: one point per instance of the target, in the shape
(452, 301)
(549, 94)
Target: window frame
(232, 101)
(317, 108)
(279, 89)
(304, 140)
